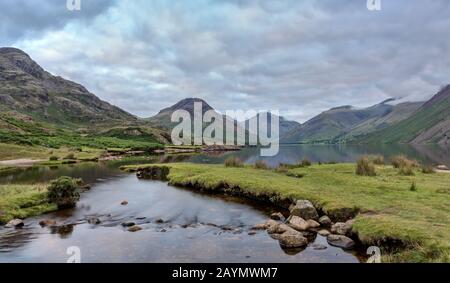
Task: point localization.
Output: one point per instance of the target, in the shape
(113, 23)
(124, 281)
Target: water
(196, 228)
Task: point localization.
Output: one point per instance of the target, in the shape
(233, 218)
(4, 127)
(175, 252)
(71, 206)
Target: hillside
(37, 108)
(330, 125)
(429, 124)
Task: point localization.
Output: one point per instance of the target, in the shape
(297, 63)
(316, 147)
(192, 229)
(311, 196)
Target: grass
(364, 167)
(234, 162)
(22, 201)
(414, 225)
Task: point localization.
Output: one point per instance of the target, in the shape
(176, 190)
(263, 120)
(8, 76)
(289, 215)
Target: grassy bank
(388, 212)
(22, 201)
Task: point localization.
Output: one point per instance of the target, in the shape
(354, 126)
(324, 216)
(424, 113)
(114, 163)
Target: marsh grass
(261, 164)
(234, 162)
(364, 167)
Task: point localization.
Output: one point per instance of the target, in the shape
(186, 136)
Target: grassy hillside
(429, 124)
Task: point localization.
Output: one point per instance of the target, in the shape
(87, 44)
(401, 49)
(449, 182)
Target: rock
(319, 247)
(47, 222)
(442, 167)
(312, 224)
(292, 239)
(128, 224)
(279, 229)
(134, 228)
(298, 223)
(252, 233)
(304, 209)
(15, 223)
(324, 233)
(94, 221)
(159, 221)
(340, 241)
(124, 202)
(277, 216)
(341, 228)
(325, 221)
(261, 226)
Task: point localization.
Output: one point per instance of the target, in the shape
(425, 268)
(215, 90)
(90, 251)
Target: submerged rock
(292, 239)
(15, 223)
(128, 224)
(124, 203)
(261, 226)
(319, 247)
(47, 222)
(94, 221)
(340, 241)
(304, 209)
(277, 216)
(325, 221)
(134, 228)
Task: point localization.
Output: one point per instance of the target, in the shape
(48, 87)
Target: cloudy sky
(301, 57)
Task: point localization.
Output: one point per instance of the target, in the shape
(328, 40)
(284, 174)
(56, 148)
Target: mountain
(35, 103)
(430, 123)
(285, 126)
(163, 118)
(27, 88)
(331, 125)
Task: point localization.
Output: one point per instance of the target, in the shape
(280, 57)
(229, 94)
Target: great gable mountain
(34, 102)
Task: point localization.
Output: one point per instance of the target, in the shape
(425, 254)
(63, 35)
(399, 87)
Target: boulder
(341, 228)
(134, 228)
(15, 223)
(292, 239)
(340, 241)
(312, 224)
(325, 221)
(298, 223)
(277, 216)
(279, 229)
(304, 209)
(47, 222)
(324, 233)
(442, 167)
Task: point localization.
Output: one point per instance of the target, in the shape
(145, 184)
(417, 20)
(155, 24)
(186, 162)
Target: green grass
(22, 201)
(388, 212)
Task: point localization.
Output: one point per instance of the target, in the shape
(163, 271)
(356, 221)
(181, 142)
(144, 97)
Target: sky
(298, 57)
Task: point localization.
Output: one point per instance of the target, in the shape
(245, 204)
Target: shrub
(399, 161)
(53, 158)
(305, 163)
(377, 159)
(261, 164)
(428, 169)
(365, 168)
(64, 192)
(406, 170)
(413, 187)
(234, 162)
(69, 156)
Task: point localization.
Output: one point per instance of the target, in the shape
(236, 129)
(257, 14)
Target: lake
(179, 225)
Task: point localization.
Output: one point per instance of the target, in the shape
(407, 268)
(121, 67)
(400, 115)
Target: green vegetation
(234, 162)
(261, 164)
(22, 201)
(412, 226)
(64, 192)
(365, 167)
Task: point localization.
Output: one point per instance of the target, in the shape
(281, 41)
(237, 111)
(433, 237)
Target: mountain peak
(16, 59)
(188, 105)
(444, 93)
